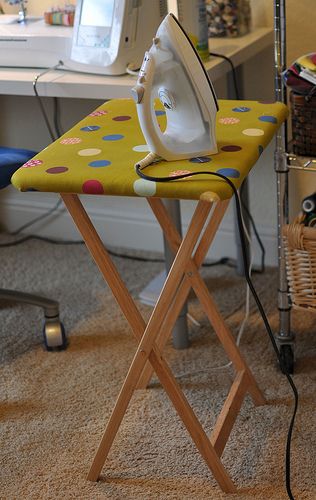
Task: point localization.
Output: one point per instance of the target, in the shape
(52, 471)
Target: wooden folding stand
(96, 157)
(189, 255)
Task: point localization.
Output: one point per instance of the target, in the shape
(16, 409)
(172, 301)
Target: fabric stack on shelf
(300, 78)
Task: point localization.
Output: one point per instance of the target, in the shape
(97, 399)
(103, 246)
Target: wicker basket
(300, 257)
(303, 124)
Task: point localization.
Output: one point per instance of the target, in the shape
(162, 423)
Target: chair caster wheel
(54, 335)
(287, 358)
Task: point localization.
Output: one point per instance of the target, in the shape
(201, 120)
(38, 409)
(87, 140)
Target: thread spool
(310, 220)
(309, 204)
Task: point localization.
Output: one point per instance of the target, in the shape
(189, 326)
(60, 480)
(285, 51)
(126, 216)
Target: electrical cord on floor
(139, 171)
(41, 238)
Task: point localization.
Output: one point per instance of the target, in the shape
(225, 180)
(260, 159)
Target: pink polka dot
(32, 163)
(99, 112)
(56, 170)
(122, 118)
(71, 140)
(229, 120)
(175, 173)
(92, 187)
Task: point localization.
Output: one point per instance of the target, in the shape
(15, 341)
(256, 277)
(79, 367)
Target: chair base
(53, 329)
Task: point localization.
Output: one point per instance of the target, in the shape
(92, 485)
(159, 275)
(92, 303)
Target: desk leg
(244, 198)
(180, 335)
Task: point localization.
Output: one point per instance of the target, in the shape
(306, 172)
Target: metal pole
(282, 169)
(180, 336)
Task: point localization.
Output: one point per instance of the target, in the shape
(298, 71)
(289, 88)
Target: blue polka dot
(229, 172)
(113, 137)
(268, 118)
(200, 159)
(241, 109)
(90, 128)
(260, 149)
(99, 163)
(159, 112)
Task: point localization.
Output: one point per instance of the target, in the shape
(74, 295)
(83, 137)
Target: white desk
(18, 81)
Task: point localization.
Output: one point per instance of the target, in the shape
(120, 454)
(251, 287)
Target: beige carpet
(53, 406)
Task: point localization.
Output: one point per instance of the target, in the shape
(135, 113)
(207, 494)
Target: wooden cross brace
(152, 337)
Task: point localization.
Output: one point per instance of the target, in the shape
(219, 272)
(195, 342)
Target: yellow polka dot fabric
(97, 156)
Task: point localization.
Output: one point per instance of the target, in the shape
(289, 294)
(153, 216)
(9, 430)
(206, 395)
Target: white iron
(173, 72)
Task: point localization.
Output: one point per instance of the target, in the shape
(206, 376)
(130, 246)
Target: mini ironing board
(97, 157)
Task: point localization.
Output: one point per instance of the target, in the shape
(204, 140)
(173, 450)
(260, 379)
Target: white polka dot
(142, 148)
(144, 188)
(253, 131)
(89, 152)
(209, 196)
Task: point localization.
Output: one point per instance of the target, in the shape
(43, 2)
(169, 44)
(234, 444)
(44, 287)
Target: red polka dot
(56, 170)
(121, 118)
(92, 187)
(231, 148)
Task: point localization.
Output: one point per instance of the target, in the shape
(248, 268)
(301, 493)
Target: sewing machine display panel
(95, 24)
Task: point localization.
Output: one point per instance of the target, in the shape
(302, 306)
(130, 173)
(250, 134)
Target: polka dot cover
(97, 156)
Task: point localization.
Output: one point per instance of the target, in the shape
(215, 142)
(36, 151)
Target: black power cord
(253, 225)
(214, 54)
(139, 171)
(237, 96)
(56, 110)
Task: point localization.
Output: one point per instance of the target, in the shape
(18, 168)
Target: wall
(301, 25)
(34, 7)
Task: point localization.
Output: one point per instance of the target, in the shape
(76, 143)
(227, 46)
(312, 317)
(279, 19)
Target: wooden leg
(229, 412)
(225, 337)
(147, 348)
(244, 381)
(174, 239)
(194, 279)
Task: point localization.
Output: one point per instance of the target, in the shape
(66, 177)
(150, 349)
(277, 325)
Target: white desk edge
(59, 83)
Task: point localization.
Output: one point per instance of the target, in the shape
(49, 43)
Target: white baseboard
(121, 222)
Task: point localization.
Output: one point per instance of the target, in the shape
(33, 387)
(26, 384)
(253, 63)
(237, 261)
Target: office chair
(53, 330)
